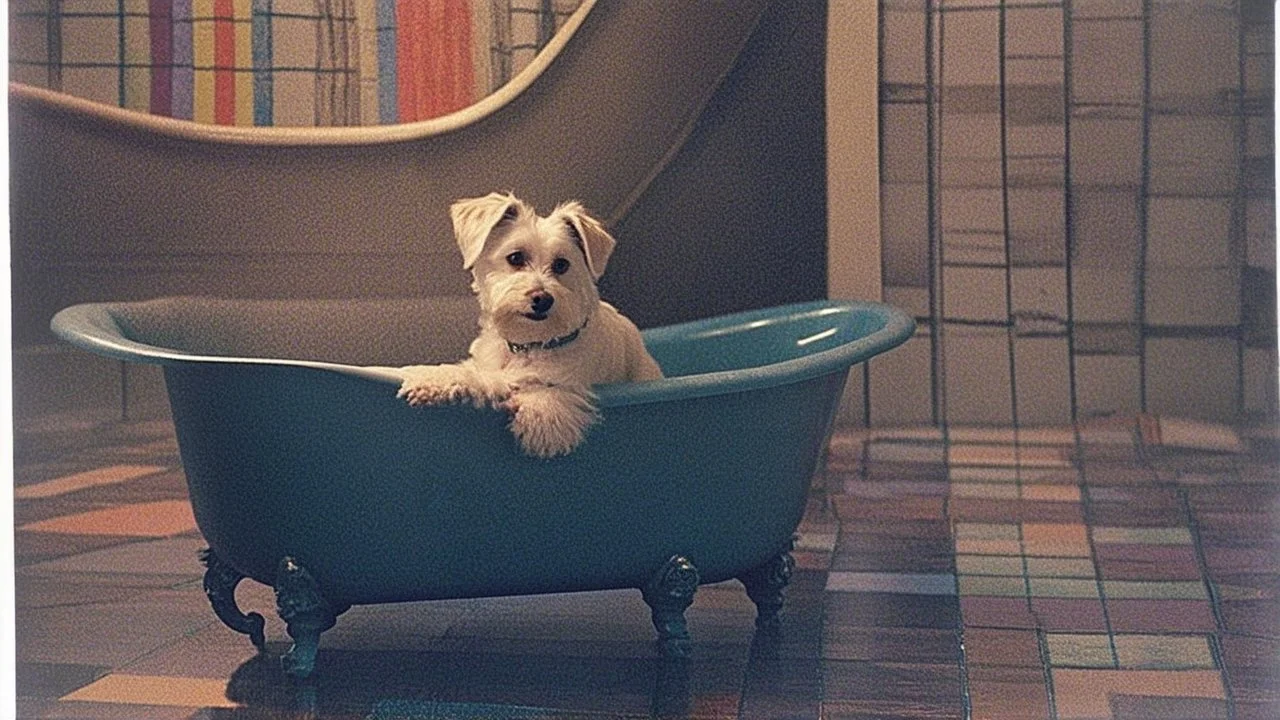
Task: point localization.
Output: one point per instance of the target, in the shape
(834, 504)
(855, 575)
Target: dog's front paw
(550, 423)
(450, 384)
(432, 385)
(419, 394)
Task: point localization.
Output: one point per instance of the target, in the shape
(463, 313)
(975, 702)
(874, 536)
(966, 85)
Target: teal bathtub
(309, 475)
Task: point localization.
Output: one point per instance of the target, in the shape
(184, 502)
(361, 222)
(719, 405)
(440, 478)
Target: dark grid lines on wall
(1078, 206)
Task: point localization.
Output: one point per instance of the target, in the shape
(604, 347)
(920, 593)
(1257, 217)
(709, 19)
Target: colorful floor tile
(1108, 572)
(1092, 694)
(154, 690)
(164, 518)
(110, 475)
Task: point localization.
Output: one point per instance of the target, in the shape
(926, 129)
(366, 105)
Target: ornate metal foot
(766, 586)
(306, 614)
(220, 581)
(668, 595)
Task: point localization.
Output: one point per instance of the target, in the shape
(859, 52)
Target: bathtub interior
(405, 331)
(392, 332)
(760, 338)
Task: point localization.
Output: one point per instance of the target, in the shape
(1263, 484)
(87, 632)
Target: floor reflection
(395, 685)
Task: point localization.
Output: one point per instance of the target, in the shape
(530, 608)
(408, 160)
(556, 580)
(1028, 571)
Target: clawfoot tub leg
(668, 594)
(306, 614)
(766, 586)
(220, 581)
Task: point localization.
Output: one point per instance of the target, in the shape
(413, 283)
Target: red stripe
(224, 59)
(434, 75)
(435, 31)
(408, 53)
(462, 66)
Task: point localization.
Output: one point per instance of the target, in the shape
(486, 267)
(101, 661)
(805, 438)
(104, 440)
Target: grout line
(1228, 695)
(1002, 31)
(1086, 510)
(966, 693)
(1046, 667)
(1211, 590)
(1144, 196)
(965, 690)
(1068, 202)
(934, 86)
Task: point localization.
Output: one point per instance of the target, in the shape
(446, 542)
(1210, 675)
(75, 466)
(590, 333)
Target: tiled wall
(1078, 207)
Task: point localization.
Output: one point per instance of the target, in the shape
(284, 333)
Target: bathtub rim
(93, 327)
(306, 136)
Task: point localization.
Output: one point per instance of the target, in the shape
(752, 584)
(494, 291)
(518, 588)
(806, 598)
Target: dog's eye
(560, 266)
(516, 259)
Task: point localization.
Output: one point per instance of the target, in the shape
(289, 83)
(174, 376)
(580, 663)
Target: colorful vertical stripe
(388, 87)
(161, 24)
(182, 90)
(262, 62)
(241, 71)
(367, 59)
(411, 75)
(136, 55)
(224, 60)
(434, 46)
(203, 60)
(263, 86)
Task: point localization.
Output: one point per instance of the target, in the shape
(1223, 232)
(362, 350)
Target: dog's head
(535, 276)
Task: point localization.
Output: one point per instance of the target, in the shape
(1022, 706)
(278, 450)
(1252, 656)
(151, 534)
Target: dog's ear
(475, 218)
(596, 242)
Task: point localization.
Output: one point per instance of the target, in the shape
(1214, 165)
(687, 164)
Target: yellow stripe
(137, 53)
(367, 13)
(202, 52)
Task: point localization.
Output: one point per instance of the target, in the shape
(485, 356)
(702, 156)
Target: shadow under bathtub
(382, 685)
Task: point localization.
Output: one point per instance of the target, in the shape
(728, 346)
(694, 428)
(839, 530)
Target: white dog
(545, 336)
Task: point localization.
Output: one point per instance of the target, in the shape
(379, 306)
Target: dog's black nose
(541, 303)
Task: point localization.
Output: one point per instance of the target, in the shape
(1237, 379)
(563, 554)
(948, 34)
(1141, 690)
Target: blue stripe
(263, 83)
(388, 95)
(183, 61)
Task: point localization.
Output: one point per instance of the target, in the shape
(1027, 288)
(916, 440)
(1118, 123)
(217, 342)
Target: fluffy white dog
(545, 335)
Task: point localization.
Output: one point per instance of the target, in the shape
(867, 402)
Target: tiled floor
(1067, 575)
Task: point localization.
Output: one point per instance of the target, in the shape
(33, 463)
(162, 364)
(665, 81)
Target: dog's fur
(545, 335)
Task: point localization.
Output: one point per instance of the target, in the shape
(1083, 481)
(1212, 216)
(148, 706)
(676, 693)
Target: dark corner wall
(738, 218)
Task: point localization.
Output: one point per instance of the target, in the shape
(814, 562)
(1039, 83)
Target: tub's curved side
(382, 502)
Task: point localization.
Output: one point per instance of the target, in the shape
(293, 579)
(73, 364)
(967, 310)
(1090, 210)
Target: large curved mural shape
(629, 110)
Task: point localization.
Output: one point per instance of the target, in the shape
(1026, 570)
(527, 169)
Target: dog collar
(552, 344)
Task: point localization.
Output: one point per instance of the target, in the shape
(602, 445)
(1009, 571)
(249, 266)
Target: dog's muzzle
(539, 305)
